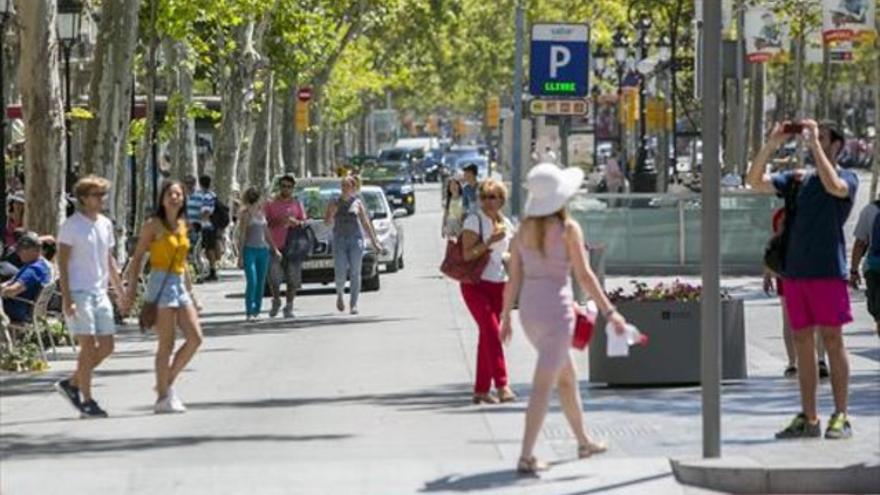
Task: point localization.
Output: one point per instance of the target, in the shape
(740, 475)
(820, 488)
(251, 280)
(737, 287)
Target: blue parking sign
(559, 63)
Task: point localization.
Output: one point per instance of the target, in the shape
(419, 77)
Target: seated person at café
(34, 273)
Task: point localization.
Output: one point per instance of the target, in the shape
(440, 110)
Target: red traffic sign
(304, 94)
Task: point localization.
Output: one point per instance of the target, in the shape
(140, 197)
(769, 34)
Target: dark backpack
(220, 216)
(874, 247)
(299, 244)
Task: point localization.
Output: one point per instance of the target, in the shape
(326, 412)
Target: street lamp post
(599, 60)
(664, 54)
(68, 34)
(621, 46)
(643, 25)
(5, 7)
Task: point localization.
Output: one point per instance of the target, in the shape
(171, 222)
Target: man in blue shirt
(815, 270)
(867, 236)
(34, 273)
(469, 189)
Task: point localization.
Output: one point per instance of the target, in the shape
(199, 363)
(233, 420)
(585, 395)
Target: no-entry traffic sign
(304, 94)
(559, 61)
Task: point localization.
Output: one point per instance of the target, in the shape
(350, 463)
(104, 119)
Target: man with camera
(814, 268)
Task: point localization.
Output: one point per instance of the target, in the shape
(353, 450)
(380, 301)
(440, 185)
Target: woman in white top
(453, 212)
(488, 231)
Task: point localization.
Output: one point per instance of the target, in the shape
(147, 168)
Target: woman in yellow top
(169, 285)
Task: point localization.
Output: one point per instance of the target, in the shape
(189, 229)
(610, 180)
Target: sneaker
(838, 427)
(800, 428)
(212, 276)
(70, 393)
(168, 405)
(288, 311)
(340, 304)
(175, 401)
(790, 371)
(276, 306)
(91, 409)
(823, 370)
(354, 310)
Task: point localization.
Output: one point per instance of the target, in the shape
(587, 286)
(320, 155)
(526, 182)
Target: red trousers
(485, 300)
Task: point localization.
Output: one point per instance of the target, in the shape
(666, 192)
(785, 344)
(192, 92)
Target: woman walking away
(488, 231)
(453, 211)
(164, 236)
(255, 245)
(349, 219)
(546, 248)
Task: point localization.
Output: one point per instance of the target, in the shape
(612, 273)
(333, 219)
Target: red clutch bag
(584, 322)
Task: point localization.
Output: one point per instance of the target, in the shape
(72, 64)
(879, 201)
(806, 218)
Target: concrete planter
(672, 355)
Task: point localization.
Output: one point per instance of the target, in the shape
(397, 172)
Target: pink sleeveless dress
(545, 301)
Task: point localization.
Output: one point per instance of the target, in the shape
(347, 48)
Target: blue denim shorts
(94, 313)
(174, 294)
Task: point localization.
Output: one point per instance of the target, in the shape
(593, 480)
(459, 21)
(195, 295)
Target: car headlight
(406, 189)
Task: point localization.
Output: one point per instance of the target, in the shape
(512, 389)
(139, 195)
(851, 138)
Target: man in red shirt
(284, 213)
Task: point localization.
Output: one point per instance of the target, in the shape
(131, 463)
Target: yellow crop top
(170, 250)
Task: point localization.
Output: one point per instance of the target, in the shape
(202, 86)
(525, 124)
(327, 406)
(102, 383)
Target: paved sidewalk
(379, 404)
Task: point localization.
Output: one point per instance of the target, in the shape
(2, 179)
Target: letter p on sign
(560, 56)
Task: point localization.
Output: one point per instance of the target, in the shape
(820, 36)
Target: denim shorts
(174, 294)
(94, 313)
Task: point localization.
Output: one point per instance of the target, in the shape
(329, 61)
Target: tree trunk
(237, 91)
(43, 115)
(261, 142)
(313, 144)
(756, 130)
(110, 89)
(277, 161)
(146, 159)
(288, 131)
(876, 166)
(182, 144)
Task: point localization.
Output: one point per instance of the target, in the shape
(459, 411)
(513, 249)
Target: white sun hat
(550, 187)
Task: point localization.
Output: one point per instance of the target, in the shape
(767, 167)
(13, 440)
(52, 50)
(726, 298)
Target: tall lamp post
(599, 58)
(5, 8)
(664, 54)
(68, 34)
(621, 47)
(643, 25)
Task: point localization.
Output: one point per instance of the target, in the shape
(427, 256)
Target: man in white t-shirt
(86, 264)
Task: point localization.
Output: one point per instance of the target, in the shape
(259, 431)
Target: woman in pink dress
(542, 255)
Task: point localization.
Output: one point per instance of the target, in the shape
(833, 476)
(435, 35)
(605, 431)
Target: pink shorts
(817, 302)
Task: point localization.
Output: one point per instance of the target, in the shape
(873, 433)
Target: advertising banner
(844, 20)
(765, 34)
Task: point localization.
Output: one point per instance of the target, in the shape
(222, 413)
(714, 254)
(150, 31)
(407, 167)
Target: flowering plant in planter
(677, 291)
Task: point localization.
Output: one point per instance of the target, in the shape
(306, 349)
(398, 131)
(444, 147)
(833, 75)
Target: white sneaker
(288, 312)
(170, 404)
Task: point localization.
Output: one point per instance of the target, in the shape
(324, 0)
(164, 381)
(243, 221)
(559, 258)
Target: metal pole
(621, 128)
(132, 196)
(710, 316)
(3, 194)
(739, 129)
(673, 44)
(642, 151)
(69, 178)
(564, 130)
(516, 162)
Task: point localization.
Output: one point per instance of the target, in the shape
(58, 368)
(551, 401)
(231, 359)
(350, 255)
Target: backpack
(874, 247)
(299, 244)
(220, 216)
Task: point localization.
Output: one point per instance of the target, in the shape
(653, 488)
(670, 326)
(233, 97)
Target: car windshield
(394, 155)
(385, 171)
(375, 205)
(315, 199)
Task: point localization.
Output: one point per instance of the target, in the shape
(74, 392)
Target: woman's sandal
(485, 399)
(588, 449)
(530, 466)
(506, 395)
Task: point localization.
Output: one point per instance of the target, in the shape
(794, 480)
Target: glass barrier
(663, 231)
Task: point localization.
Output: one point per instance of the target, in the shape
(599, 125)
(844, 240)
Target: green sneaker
(838, 427)
(800, 428)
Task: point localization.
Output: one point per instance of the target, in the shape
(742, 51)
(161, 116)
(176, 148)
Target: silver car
(387, 225)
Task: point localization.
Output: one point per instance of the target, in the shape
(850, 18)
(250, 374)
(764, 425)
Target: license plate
(317, 264)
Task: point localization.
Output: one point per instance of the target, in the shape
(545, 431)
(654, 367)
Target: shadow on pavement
(11, 386)
(16, 446)
(281, 325)
(448, 397)
(623, 484)
(494, 479)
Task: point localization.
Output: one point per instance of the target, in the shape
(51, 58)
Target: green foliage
(24, 357)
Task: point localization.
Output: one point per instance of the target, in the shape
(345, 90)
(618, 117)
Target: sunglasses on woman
(489, 197)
